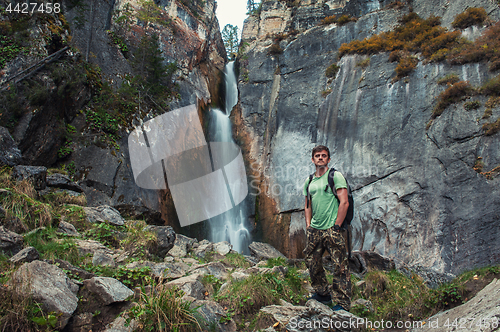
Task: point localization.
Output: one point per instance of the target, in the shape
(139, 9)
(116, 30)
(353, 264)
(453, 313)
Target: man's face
(320, 159)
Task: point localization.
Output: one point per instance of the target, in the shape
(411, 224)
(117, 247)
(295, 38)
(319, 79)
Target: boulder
(67, 228)
(37, 175)
(109, 290)
(262, 251)
(165, 239)
(478, 314)
(190, 285)
(10, 154)
(170, 270)
(364, 303)
(223, 248)
(49, 286)
(120, 325)
(90, 247)
(10, 242)
(182, 245)
(211, 312)
(103, 259)
(313, 316)
(215, 269)
(203, 249)
(28, 254)
(62, 181)
(104, 213)
(431, 277)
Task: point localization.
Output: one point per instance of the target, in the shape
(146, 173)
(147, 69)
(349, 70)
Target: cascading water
(230, 226)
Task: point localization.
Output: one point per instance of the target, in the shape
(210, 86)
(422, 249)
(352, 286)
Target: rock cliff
(417, 197)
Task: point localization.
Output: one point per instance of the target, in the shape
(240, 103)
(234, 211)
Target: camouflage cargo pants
(317, 242)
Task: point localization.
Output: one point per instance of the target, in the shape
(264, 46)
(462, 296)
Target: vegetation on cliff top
(433, 42)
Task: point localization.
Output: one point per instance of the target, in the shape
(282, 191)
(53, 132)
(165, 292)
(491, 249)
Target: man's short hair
(320, 148)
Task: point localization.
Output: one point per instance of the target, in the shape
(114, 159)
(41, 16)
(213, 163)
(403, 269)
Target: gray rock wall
(417, 196)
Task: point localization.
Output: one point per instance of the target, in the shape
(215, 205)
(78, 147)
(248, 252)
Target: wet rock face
(417, 197)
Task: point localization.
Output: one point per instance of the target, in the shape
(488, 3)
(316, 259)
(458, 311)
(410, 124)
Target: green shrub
(328, 20)
(472, 105)
(332, 70)
(344, 19)
(472, 16)
(363, 63)
(452, 94)
(491, 128)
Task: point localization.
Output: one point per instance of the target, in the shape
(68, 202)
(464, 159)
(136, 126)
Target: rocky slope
(418, 198)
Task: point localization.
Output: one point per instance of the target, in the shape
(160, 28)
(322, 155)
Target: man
(324, 217)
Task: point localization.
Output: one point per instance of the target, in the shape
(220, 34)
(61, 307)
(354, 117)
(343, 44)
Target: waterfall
(230, 226)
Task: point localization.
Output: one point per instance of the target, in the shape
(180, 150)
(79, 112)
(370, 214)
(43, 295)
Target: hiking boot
(325, 299)
(338, 307)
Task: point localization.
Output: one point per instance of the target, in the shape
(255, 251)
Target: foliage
(326, 92)
(231, 39)
(363, 63)
(162, 309)
(478, 165)
(52, 245)
(149, 12)
(275, 49)
(472, 105)
(328, 20)
(246, 297)
(332, 70)
(491, 128)
(18, 312)
(235, 260)
(472, 16)
(448, 79)
(491, 87)
(139, 241)
(254, 7)
(452, 94)
(483, 48)
(344, 19)
(106, 233)
(405, 66)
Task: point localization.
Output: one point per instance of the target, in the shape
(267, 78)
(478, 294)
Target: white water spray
(230, 226)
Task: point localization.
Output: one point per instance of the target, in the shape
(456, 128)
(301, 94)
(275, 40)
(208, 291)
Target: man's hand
(336, 228)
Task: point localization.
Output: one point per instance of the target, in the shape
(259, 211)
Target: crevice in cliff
(433, 140)
(381, 178)
(291, 211)
(115, 176)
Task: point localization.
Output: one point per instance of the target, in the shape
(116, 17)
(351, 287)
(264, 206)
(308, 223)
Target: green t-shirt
(324, 204)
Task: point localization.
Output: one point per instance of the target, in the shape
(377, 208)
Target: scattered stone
(86, 247)
(58, 180)
(50, 286)
(72, 270)
(182, 245)
(120, 325)
(212, 312)
(361, 284)
(10, 242)
(109, 290)
(281, 270)
(165, 239)
(28, 254)
(223, 248)
(263, 251)
(67, 228)
(364, 303)
(103, 259)
(10, 154)
(14, 224)
(37, 175)
(240, 275)
(216, 269)
(104, 213)
(250, 259)
(169, 270)
(203, 249)
(190, 285)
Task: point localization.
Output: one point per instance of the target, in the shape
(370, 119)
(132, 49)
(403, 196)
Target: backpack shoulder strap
(308, 196)
(331, 182)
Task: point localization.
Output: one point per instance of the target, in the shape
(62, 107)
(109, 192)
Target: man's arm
(308, 213)
(343, 205)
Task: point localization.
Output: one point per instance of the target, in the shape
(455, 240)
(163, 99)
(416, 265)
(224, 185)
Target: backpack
(350, 210)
